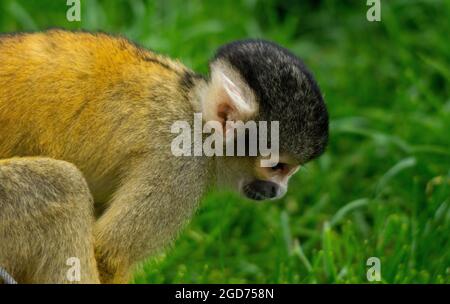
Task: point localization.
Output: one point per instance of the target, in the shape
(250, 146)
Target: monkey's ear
(227, 98)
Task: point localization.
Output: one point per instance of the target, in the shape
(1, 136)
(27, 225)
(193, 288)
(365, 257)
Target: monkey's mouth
(254, 195)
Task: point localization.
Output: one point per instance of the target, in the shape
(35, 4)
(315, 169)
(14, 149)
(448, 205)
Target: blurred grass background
(383, 187)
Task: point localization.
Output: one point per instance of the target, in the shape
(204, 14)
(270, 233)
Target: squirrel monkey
(106, 105)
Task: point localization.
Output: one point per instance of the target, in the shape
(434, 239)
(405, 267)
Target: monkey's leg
(146, 213)
(46, 222)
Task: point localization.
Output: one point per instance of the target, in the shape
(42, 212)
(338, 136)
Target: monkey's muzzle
(261, 190)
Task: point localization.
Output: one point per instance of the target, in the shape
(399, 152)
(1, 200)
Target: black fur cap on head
(286, 92)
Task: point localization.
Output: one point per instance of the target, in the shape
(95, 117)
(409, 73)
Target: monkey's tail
(6, 277)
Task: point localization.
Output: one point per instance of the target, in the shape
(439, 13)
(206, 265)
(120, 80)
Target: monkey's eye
(282, 167)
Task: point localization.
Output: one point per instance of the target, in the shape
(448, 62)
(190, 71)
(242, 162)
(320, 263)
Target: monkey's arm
(145, 214)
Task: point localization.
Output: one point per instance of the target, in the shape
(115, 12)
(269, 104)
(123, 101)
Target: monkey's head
(256, 80)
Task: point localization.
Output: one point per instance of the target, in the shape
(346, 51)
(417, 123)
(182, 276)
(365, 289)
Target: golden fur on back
(53, 87)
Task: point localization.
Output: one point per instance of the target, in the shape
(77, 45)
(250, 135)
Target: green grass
(383, 187)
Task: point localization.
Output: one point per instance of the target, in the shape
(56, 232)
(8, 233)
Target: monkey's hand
(111, 270)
